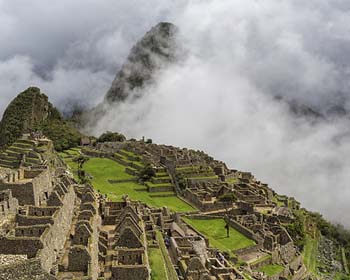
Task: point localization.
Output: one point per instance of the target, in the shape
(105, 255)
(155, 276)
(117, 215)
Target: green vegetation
(68, 157)
(146, 173)
(297, 229)
(337, 233)
(111, 137)
(310, 253)
(62, 133)
(103, 169)
(171, 273)
(214, 230)
(341, 276)
(157, 264)
(271, 269)
(261, 259)
(31, 111)
(232, 180)
(204, 177)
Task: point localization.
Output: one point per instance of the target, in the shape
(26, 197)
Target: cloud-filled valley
(225, 96)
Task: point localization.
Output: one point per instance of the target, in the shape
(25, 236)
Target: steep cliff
(154, 51)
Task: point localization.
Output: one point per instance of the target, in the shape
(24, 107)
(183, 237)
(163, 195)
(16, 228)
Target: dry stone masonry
(54, 228)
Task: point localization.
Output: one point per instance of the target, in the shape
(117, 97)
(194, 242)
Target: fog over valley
(261, 85)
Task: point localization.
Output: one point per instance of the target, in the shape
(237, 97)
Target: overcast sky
(220, 98)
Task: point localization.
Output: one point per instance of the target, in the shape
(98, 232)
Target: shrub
(111, 137)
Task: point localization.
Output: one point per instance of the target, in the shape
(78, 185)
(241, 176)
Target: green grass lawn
(215, 231)
(157, 264)
(310, 253)
(149, 183)
(271, 269)
(68, 159)
(103, 169)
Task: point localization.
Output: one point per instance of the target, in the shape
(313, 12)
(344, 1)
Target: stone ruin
(54, 228)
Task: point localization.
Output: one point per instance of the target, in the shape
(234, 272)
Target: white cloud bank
(220, 98)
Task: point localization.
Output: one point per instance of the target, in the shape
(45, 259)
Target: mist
(221, 97)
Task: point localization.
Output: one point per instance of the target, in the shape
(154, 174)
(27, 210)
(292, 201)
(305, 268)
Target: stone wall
(23, 192)
(24, 270)
(242, 229)
(54, 240)
(262, 263)
(161, 189)
(20, 246)
(30, 191)
(24, 220)
(248, 250)
(139, 272)
(79, 259)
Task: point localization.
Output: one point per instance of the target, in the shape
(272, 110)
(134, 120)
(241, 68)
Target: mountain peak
(155, 50)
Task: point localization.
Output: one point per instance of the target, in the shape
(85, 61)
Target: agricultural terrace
(271, 269)
(102, 170)
(214, 230)
(310, 254)
(156, 261)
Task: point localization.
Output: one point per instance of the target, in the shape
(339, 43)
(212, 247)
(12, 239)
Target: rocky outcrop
(26, 111)
(155, 50)
(31, 111)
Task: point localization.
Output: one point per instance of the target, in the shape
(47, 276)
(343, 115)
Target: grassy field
(68, 156)
(310, 253)
(157, 264)
(271, 269)
(215, 231)
(102, 169)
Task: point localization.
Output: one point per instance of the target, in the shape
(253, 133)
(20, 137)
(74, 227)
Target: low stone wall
(204, 217)
(160, 180)
(93, 153)
(131, 172)
(119, 160)
(162, 195)
(262, 263)
(201, 180)
(248, 250)
(161, 189)
(111, 181)
(299, 274)
(245, 231)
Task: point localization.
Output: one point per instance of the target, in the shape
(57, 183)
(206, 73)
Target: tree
(147, 173)
(228, 200)
(81, 159)
(109, 136)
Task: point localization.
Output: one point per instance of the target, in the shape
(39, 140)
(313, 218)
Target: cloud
(70, 49)
(220, 98)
